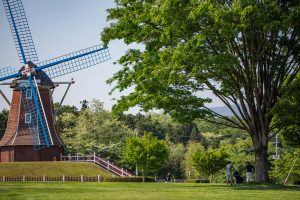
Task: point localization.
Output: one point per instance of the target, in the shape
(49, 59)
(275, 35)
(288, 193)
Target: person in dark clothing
(249, 170)
(168, 177)
(238, 178)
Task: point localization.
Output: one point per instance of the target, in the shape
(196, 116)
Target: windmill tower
(31, 133)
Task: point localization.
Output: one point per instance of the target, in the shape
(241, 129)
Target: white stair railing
(99, 161)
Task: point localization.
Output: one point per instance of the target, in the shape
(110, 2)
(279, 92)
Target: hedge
(129, 179)
(197, 181)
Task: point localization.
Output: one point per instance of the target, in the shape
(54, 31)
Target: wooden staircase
(98, 161)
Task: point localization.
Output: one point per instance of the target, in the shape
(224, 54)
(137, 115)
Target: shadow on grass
(246, 186)
(268, 186)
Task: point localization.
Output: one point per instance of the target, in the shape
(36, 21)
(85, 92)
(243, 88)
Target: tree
(162, 126)
(239, 154)
(192, 148)
(147, 152)
(195, 135)
(287, 113)
(84, 104)
(175, 160)
(94, 131)
(3, 121)
(60, 109)
(288, 162)
(241, 50)
(210, 162)
(65, 116)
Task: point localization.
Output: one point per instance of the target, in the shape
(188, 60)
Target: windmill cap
(41, 77)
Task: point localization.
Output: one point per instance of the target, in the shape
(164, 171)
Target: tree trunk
(261, 158)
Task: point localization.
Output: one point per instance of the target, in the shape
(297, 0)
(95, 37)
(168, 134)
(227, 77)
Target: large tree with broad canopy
(241, 50)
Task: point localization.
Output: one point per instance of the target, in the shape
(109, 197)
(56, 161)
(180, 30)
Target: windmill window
(27, 118)
(28, 94)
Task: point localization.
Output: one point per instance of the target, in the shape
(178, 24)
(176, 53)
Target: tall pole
(136, 135)
(277, 146)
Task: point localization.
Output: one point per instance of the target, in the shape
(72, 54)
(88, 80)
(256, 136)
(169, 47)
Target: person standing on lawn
(249, 170)
(229, 173)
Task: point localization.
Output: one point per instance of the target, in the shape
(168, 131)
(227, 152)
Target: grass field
(53, 169)
(144, 191)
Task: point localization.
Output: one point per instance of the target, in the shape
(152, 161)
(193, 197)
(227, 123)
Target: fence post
(108, 164)
(3, 179)
(43, 178)
(98, 178)
(23, 178)
(94, 157)
(81, 178)
(63, 178)
(122, 172)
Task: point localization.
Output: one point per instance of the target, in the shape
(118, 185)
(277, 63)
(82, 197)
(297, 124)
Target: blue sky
(59, 27)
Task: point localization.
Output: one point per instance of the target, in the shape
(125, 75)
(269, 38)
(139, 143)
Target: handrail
(99, 161)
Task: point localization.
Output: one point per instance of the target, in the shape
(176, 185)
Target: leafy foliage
(240, 153)
(281, 167)
(190, 171)
(130, 179)
(3, 121)
(210, 162)
(147, 152)
(175, 160)
(94, 131)
(60, 109)
(243, 51)
(287, 113)
(162, 126)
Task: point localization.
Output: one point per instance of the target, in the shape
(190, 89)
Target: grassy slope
(53, 169)
(143, 191)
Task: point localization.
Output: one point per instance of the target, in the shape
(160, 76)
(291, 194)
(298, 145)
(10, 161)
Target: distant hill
(224, 110)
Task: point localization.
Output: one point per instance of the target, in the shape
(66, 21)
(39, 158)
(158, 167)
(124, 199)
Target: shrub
(129, 179)
(197, 181)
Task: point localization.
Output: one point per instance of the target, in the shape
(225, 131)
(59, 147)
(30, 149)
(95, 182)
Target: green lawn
(151, 191)
(53, 169)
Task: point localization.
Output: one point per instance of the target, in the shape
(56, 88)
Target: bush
(197, 181)
(129, 179)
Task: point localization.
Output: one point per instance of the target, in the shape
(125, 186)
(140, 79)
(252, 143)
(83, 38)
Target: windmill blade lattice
(38, 130)
(74, 61)
(20, 30)
(7, 71)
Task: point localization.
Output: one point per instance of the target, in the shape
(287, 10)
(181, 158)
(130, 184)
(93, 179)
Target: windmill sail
(8, 73)
(34, 116)
(20, 30)
(74, 61)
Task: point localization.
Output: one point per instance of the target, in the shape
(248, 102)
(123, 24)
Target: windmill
(31, 129)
